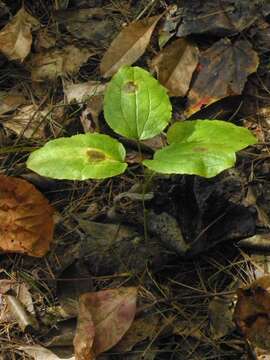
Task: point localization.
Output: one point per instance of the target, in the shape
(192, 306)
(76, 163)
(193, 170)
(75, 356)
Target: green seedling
(137, 107)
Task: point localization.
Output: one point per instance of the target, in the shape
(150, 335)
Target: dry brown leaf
(58, 62)
(222, 71)
(175, 65)
(252, 312)
(104, 318)
(28, 121)
(10, 101)
(128, 46)
(40, 353)
(26, 218)
(83, 91)
(16, 36)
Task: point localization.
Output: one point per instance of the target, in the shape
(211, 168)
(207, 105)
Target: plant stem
(143, 184)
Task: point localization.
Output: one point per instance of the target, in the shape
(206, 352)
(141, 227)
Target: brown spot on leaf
(130, 87)
(95, 155)
(200, 149)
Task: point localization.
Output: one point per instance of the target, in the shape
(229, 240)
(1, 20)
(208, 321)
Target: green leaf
(136, 105)
(211, 131)
(192, 158)
(80, 157)
(200, 147)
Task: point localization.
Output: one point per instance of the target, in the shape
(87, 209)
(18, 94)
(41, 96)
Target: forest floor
(185, 304)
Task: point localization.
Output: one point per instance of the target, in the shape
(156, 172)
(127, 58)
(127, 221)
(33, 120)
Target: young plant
(137, 107)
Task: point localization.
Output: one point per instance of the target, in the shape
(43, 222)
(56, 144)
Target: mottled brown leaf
(26, 218)
(105, 316)
(252, 312)
(16, 36)
(219, 17)
(58, 62)
(222, 71)
(128, 46)
(96, 25)
(175, 65)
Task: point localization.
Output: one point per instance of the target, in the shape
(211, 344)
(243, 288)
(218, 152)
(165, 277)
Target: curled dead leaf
(16, 36)
(26, 218)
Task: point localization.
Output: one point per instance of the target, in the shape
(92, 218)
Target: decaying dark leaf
(16, 36)
(140, 329)
(26, 218)
(175, 65)
(104, 318)
(222, 71)
(114, 248)
(167, 228)
(219, 17)
(208, 211)
(58, 62)
(93, 24)
(252, 311)
(128, 46)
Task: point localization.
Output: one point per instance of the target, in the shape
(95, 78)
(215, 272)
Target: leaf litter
(204, 54)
